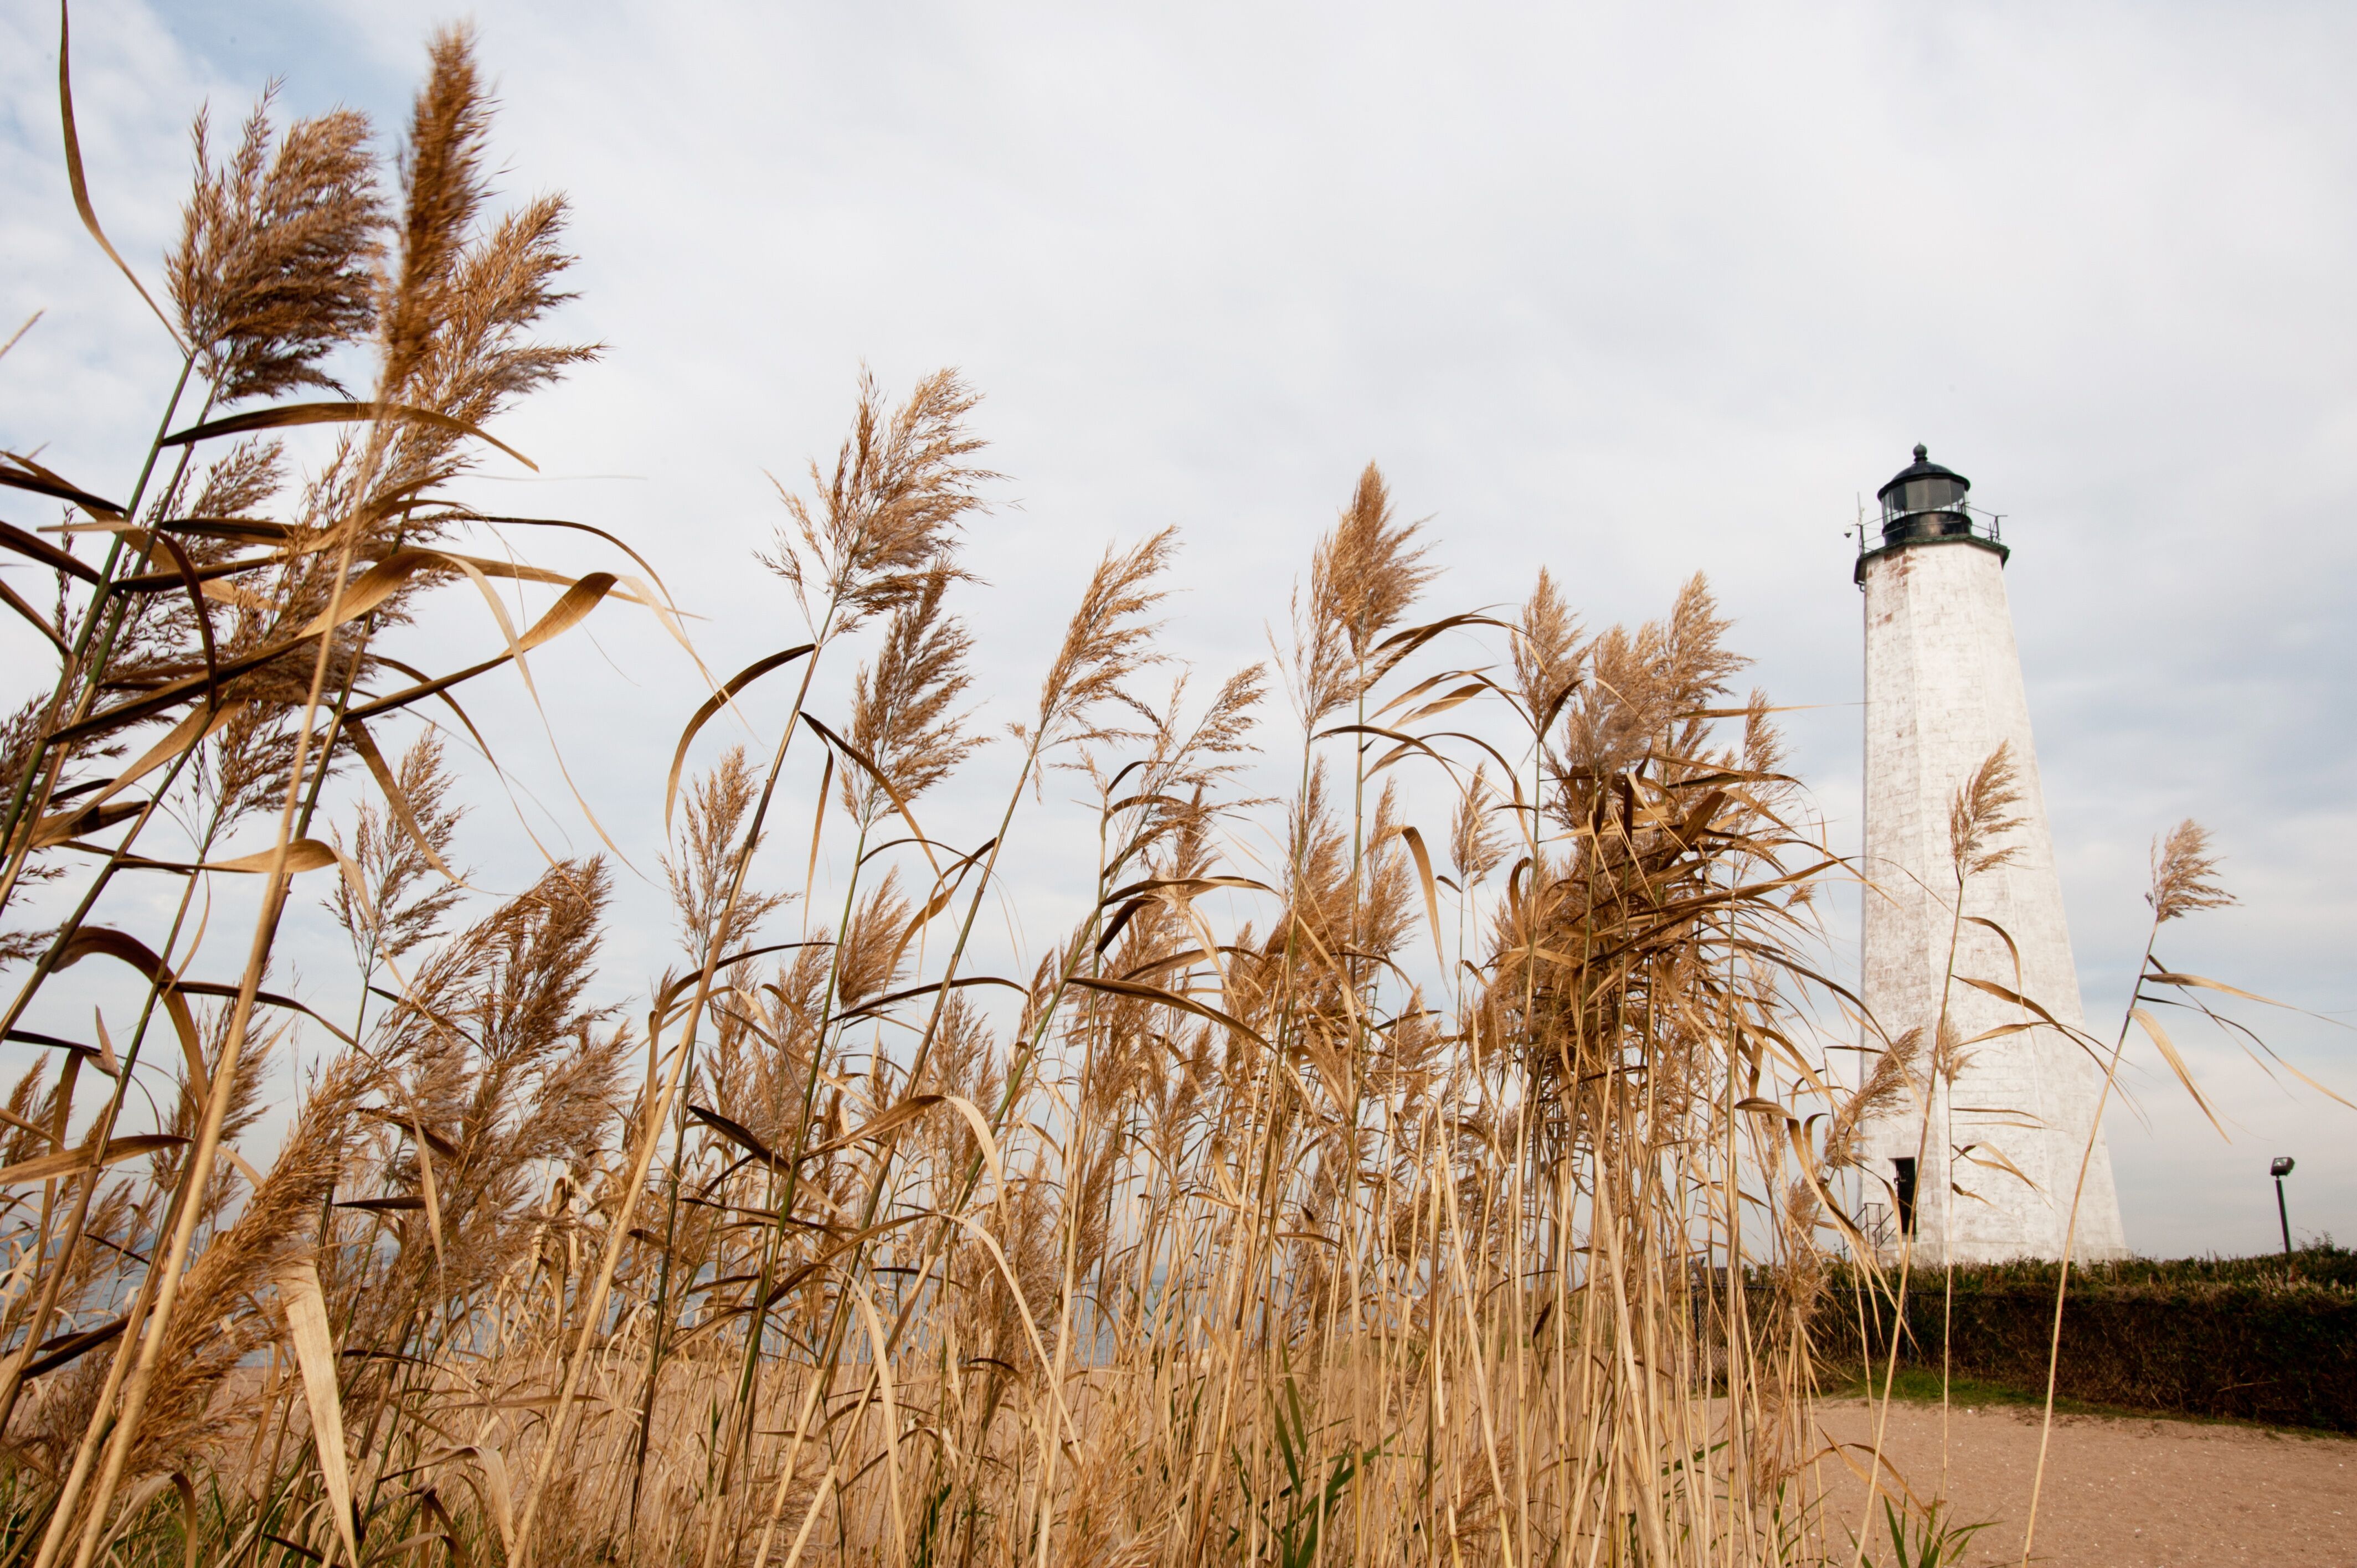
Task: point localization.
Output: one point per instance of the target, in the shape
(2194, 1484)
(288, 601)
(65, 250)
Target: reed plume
(222, 1323)
(276, 266)
(1363, 576)
(2185, 875)
(718, 813)
(889, 514)
(1106, 643)
(1229, 1218)
(1370, 569)
(1546, 653)
(1978, 819)
(903, 716)
(1882, 1093)
(443, 189)
(1476, 845)
(404, 885)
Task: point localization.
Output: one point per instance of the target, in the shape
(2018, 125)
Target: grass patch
(1921, 1386)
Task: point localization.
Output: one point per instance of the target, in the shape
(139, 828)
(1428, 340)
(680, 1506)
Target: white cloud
(1627, 290)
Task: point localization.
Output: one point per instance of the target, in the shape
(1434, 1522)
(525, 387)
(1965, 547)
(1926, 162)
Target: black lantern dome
(1924, 501)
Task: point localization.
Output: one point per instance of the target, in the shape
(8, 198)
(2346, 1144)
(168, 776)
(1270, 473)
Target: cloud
(1626, 290)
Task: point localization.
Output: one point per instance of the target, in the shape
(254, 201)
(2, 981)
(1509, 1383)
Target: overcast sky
(1626, 290)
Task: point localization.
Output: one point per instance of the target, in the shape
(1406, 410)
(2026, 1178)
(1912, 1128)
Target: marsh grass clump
(1432, 1160)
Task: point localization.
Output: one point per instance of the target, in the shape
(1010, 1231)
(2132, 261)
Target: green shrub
(2269, 1338)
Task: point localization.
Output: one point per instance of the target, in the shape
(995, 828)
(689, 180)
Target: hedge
(2268, 1339)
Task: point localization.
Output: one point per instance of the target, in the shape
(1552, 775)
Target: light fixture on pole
(2280, 1169)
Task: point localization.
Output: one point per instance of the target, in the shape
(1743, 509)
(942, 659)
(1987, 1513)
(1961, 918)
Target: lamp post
(2280, 1169)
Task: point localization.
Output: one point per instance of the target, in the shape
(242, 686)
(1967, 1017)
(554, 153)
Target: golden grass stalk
(1247, 1218)
(2184, 881)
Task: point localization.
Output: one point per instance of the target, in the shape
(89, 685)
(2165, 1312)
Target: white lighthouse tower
(1980, 1168)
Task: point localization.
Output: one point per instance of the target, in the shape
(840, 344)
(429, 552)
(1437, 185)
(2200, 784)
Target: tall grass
(1339, 1188)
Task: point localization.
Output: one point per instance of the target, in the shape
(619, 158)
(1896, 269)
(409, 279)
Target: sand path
(2122, 1493)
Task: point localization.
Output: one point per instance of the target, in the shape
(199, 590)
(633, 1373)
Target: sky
(1629, 291)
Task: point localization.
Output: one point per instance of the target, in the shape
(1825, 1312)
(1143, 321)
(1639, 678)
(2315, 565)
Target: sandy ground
(2122, 1493)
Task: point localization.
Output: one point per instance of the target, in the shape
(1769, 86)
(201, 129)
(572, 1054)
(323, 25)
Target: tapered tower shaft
(1982, 1160)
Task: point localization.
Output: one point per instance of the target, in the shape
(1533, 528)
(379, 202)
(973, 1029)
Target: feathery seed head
(712, 838)
(1108, 640)
(276, 263)
(444, 186)
(1476, 845)
(890, 514)
(2184, 875)
(1364, 575)
(1978, 816)
(901, 704)
(1369, 569)
(1547, 653)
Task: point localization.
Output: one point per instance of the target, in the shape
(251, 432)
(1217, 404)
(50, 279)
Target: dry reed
(1334, 1231)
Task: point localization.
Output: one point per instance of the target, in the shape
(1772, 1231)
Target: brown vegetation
(1376, 1225)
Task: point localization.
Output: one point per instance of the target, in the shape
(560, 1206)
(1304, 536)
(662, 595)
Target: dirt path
(2122, 1493)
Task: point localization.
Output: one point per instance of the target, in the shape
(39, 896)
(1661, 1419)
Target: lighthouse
(1980, 1162)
